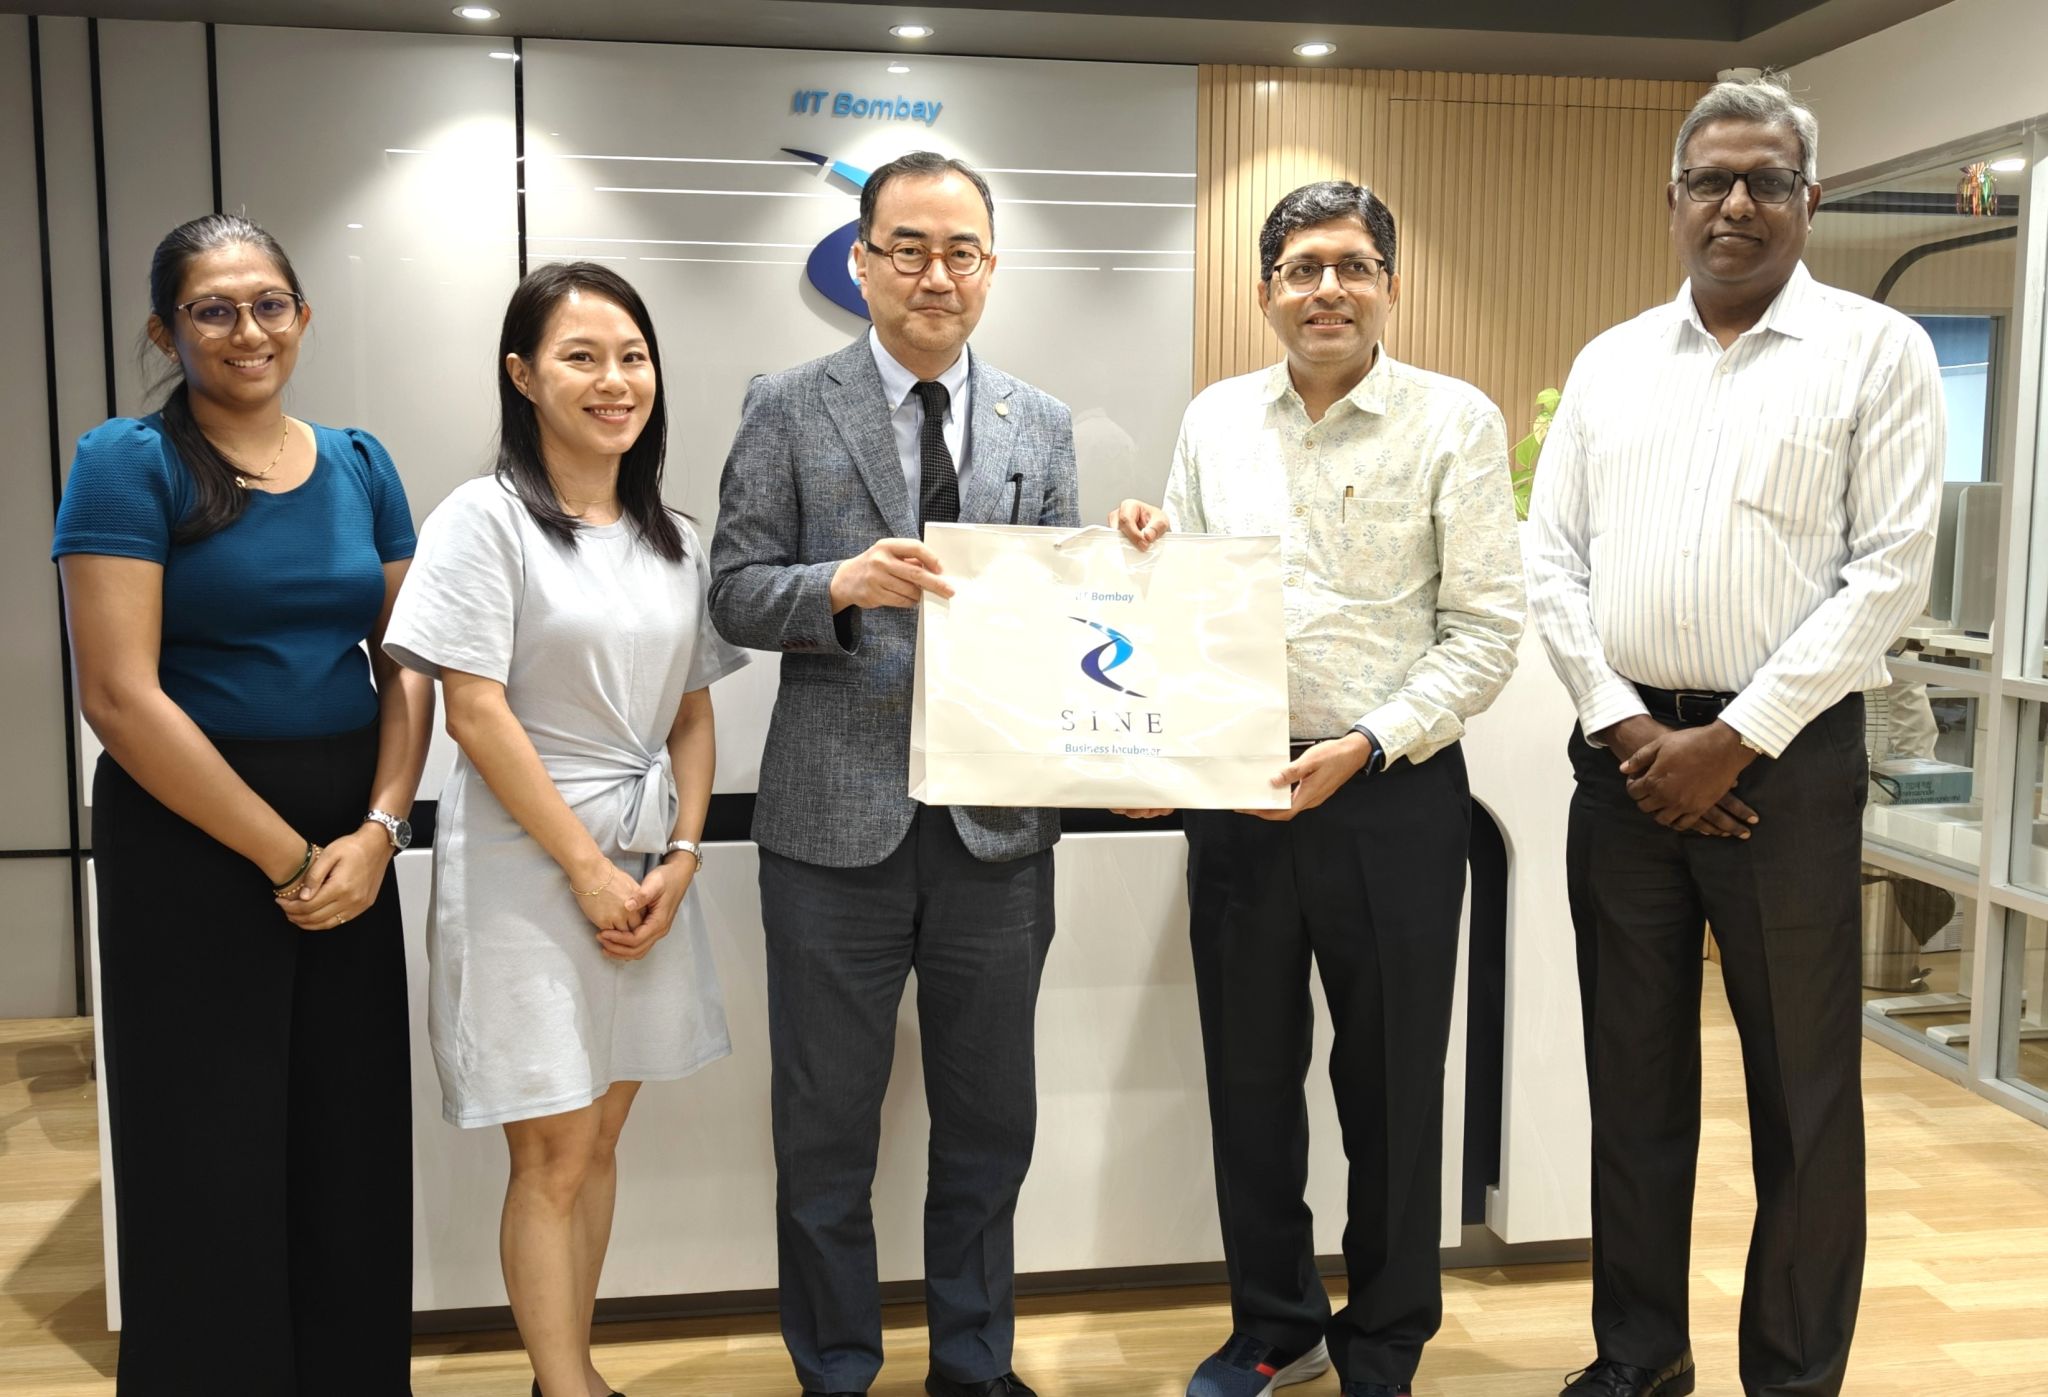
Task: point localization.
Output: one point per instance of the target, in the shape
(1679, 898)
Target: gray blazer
(814, 479)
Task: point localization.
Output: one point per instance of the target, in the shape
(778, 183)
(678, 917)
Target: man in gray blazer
(837, 465)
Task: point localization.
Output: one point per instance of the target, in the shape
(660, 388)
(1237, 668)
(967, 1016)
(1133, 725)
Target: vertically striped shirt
(1756, 520)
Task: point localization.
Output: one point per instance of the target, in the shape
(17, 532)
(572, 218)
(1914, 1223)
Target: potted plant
(1523, 473)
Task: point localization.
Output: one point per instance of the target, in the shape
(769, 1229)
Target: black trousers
(1368, 885)
(1785, 910)
(841, 944)
(259, 1098)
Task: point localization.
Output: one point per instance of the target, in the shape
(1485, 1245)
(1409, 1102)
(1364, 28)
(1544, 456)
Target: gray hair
(1763, 100)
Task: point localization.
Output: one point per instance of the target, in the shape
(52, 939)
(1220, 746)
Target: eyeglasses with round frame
(961, 260)
(215, 317)
(1354, 272)
(1767, 184)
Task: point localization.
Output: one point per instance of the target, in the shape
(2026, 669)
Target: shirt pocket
(1793, 477)
(1375, 549)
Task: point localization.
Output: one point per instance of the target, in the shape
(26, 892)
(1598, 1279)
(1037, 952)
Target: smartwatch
(1377, 762)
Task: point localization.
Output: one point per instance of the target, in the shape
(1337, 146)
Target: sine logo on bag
(1110, 722)
(1099, 660)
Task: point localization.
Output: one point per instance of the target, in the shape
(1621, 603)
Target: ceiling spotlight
(2010, 164)
(899, 67)
(911, 31)
(475, 12)
(1318, 49)
(355, 225)
(504, 55)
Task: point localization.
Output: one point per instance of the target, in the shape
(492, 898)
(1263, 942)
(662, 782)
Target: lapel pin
(1002, 409)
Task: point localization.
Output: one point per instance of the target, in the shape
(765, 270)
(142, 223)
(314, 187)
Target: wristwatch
(399, 831)
(685, 846)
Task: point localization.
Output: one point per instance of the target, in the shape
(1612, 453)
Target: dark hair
(920, 162)
(1328, 202)
(218, 501)
(520, 464)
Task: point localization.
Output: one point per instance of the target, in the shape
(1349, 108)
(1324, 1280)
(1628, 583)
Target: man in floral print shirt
(1389, 489)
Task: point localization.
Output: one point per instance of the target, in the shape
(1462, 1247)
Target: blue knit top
(263, 622)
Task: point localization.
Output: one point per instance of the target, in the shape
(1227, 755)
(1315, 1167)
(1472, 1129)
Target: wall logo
(1098, 662)
(829, 268)
(810, 101)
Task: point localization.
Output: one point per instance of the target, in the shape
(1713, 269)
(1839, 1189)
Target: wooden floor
(1955, 1293)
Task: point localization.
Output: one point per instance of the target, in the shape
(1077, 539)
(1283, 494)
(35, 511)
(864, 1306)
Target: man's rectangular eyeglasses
(1354, 272)
(1710, 184)
(961, 259)
(215, 317)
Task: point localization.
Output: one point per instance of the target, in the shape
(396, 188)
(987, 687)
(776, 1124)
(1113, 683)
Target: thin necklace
(578, 508)
(242, 479)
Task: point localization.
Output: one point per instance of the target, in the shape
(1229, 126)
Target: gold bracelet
(598, 889)
(283, 890)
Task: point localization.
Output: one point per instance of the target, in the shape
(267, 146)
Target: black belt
(1689, 708)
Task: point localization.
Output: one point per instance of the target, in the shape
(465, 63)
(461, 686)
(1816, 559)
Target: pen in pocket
(1344, 510)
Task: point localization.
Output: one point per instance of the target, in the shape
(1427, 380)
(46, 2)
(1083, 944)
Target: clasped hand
(630, 916)
(1684, 778)
(342, 882)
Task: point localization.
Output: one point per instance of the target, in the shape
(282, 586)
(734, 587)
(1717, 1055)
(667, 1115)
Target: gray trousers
(841, 942)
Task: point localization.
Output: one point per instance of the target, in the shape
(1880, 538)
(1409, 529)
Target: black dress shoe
(1607, 1378)
(813, 1392)
(1008, 1385)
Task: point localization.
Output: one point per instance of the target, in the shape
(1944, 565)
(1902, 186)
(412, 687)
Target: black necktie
(938, 489)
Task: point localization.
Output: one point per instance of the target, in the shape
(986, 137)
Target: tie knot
(934, 397)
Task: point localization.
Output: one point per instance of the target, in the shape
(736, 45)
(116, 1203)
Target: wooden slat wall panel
(1530, 209)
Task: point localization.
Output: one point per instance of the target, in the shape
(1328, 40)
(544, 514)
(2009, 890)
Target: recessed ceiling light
(899, 67)
(355, 225)
(2010, 164)
(911, 31)
(475, 12)
(1317, 49)
(507, 57)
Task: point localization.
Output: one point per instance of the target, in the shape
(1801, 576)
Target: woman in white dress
(561, 605)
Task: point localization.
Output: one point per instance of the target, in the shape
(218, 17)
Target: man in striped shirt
(1733, 517)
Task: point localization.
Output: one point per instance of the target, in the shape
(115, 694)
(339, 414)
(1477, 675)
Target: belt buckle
(1710, 702)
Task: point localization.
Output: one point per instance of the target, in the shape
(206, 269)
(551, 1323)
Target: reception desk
(1122, 1175)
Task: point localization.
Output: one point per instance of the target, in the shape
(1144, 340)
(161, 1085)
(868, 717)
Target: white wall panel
(406, 305)
(32, 717)
(159, 164)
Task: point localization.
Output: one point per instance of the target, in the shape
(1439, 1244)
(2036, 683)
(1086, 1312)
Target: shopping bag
(1069, 668)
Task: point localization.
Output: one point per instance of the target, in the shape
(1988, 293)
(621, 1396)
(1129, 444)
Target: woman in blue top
(223, 565)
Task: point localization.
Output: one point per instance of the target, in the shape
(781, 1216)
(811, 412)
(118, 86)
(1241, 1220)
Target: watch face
(402, 834)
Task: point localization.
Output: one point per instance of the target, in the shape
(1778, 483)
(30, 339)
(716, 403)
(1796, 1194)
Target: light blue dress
(596, 647)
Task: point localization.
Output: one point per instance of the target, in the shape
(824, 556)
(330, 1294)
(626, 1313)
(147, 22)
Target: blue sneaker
(1249, 1367)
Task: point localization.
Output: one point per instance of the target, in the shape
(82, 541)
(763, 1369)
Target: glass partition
(1942, 244)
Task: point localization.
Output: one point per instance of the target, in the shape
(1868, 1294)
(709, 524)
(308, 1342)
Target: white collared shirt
(906, 412)
(1757, 520)
(1402, 570)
